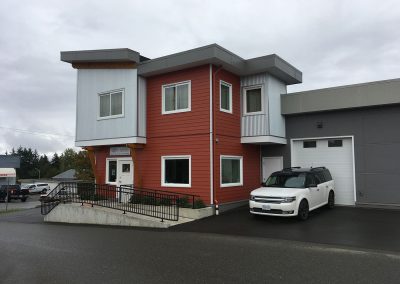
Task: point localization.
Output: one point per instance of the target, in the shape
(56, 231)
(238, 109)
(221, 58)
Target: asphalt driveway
(377, 229)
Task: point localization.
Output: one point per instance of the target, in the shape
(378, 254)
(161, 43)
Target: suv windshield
(289, 180)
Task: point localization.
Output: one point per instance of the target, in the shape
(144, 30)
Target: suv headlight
(289, 199)
(252, 197)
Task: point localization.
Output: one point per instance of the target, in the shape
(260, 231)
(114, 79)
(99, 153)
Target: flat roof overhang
(370, 94)
(217, 55)
(209, 54)
(100, 56)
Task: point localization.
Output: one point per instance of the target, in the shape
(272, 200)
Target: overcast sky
(331, 42)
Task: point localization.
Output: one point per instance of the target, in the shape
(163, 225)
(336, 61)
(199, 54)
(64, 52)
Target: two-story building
(208, 122)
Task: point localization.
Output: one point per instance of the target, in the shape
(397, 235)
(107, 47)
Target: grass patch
(9, 211)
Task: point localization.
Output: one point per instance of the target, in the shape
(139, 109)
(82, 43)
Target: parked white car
(294, 192)
(37, 187)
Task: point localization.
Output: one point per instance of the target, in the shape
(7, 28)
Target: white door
(270, 165)
(124, 177)
(336, 154)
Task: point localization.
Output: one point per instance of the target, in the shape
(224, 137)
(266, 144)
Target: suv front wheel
(302, 214)
(331, 200)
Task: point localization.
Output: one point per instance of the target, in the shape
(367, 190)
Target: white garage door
(336, 154)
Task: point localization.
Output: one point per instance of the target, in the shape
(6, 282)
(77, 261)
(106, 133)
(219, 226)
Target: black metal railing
(162, 205)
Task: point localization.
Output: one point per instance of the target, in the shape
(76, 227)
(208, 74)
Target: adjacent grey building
(353, 130)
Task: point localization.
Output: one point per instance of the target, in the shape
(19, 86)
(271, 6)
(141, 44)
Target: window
(112, 171)
(176, 171)
(309, 144)
(126, 168)
(335, 143)
(176, 97)
(225, 97)
(253, 100)
(111, 104)
(231, 171)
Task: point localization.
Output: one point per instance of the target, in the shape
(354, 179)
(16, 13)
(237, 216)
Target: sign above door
(120, 151)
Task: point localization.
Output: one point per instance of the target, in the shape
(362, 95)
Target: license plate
(266, 207)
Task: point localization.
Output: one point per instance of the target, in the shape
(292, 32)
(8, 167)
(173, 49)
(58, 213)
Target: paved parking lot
(59, 253)
(31, 202)
(376, 229)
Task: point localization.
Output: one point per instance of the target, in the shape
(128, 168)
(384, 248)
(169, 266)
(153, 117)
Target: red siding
(185, 133)
(227, 131)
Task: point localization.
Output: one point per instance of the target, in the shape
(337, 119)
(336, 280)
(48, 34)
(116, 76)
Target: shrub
(165, 201)
(184, 202)
(198, 203)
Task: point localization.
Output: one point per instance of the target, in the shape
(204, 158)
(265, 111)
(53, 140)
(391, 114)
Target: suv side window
(310, 180)
(327, 175)
(321, 177)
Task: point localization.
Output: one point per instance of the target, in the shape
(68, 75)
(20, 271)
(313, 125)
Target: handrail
(138, 201)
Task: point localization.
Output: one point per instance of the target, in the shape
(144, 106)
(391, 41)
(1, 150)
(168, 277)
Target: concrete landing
(77, 214)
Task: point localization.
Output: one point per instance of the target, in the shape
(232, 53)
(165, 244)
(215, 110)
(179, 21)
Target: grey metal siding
(256, 125)
(142, 98)
(376, 145)
(91, 82)
(275, 89)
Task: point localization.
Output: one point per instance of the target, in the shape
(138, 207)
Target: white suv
(37, 187)
(294, 192)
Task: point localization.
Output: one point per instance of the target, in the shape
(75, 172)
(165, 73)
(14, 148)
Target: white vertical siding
(142, 96)
(91, 82)
(276, 119)
(256, 125)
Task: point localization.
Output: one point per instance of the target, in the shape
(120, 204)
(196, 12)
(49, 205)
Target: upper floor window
(176, 97)
(225, 97)
(111, 104)
(253, 100)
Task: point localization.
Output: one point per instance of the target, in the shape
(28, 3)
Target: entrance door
(124, 177)
(270, 165)
(120, 172)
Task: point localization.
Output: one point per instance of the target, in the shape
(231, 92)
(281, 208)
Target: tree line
(33, 165)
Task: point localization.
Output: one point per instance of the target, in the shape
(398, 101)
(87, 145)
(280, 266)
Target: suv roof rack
(291, 168)
(317, 168)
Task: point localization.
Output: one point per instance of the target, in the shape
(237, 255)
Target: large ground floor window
(176, 171)
(231, 171)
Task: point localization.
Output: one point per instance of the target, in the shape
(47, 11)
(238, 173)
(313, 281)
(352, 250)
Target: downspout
(214, 199)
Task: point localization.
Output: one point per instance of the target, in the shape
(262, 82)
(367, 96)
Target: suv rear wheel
(302, 214)
(331, 200)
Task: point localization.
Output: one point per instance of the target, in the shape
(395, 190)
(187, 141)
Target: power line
(35, 132)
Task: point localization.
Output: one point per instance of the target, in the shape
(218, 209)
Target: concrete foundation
(77, 214)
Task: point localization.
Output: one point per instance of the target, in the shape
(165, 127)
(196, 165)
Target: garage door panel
(339, 160)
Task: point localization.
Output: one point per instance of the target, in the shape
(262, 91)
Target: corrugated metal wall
(255, 125)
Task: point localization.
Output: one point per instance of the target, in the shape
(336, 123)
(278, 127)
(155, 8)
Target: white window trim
(175, 157)
(107, 171)
(230, 96)
(241, 171)
(245, 89)
(189, 108)
(110, 93)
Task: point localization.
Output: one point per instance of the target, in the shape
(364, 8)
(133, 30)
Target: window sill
(231, 184)
(254, 113)
(176, 111)
(226, 111)
(110, 117)
(176, 185)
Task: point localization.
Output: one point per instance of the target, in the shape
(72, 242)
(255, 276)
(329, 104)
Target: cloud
(331, 42)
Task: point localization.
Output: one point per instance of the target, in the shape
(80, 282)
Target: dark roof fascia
(217, 55)
(101, 55)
